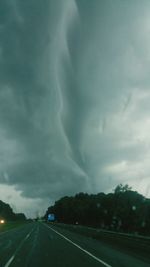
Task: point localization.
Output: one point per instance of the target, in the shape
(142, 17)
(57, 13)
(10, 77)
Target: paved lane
(11, 241)
(39, 245)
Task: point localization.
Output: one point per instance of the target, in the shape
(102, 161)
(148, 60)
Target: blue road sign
(51, 217)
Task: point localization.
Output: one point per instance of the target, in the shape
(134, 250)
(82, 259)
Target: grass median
(6, 226)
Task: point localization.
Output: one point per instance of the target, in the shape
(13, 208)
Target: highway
(41, 245)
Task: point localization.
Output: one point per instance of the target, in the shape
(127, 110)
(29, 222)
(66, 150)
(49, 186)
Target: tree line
(6, 213)
(123, 210)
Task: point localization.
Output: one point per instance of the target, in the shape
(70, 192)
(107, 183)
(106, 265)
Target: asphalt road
(41, 245)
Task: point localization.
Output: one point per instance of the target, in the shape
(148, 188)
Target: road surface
(41, 245)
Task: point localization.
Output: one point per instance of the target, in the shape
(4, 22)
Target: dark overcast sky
(74, 99)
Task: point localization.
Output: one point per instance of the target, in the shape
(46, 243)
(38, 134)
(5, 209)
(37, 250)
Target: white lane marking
(12, 258)
(27, 236)
(10, 261)
(84, 250)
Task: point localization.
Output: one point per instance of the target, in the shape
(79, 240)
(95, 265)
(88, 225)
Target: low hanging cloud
(74, 97)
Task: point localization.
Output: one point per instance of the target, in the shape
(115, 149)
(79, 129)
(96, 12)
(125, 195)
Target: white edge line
(84, 250)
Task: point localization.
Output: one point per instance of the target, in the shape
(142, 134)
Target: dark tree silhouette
(124, 210)
(7, 213)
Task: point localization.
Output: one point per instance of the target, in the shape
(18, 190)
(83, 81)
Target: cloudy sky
(74, 99)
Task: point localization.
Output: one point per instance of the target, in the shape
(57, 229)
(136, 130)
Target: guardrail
(130, 242)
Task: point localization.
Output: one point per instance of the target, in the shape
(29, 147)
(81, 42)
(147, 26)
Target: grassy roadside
(11, 225)
(129, 243)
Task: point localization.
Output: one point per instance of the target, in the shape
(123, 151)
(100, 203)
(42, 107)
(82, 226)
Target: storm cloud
(74, 98)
